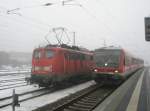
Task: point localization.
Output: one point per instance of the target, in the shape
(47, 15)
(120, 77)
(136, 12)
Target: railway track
(85, 100)
(7, 101)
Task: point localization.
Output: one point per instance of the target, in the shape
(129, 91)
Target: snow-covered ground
(8, 79)
(19, 90)
(13, 78)
(36, 102)
(29, 105)
(10, 69)
(16, 71)
(7, 76)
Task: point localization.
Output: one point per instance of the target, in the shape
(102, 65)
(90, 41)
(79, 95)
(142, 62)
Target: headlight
(95, 70)
(116, 71)
(36, 68)
(46, 68)
(106, 64)
(43, 68)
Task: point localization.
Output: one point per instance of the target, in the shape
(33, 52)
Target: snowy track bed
(23, 97)
(50, 96)
(24, 93)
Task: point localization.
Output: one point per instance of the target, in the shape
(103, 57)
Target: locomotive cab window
(49, 53)
(37, 54)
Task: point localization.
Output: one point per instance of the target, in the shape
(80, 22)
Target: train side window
(86, 57)
(49, 53)
(82, 57)
(73, 56)
(128, 60)
(37, 54)
(70, 56)
(76, 56)
(66, 56)
(91, 57)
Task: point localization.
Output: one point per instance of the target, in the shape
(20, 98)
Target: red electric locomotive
(112, 65)
(54, 64)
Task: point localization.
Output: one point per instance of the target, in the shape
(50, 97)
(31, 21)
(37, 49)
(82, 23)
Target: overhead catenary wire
(64, 2)
(25, 22)
(76, 3)
(47, 38)
(59, 33)
(15, 11)
(28, 20)
(114, 18)
(55, 33)
(67, 37)
(107, 10)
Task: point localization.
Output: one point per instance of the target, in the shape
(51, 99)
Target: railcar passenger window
(91, 58)
(49, 53)
(82, 57)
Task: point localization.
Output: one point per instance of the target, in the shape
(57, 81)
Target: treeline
(6, 59)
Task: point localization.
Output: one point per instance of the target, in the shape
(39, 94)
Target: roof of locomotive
(66, 48)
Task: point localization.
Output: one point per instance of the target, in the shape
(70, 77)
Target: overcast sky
(117, 22)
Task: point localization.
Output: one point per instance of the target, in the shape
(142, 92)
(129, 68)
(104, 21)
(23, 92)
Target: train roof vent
(50, 45)
(70, 47)
(67, 47)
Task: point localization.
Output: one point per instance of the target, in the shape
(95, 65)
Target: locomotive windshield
(37, 54)
(107, 58)
(49, 53)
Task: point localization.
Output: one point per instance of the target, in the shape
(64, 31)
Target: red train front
(54, 64)
(114, 65)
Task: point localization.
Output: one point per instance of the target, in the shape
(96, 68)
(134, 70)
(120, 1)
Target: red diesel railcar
(114, 64)
(54, 64)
